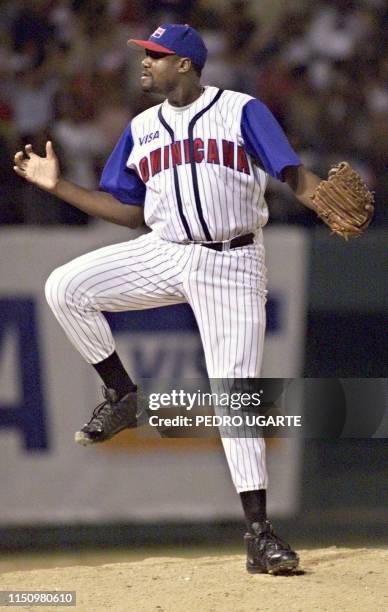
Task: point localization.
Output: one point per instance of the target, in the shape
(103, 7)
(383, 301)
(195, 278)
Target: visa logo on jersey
(148, 137)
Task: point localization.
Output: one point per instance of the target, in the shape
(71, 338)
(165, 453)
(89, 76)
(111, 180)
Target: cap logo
(158, 33)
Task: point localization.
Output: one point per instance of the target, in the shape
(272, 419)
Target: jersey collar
(180, 109)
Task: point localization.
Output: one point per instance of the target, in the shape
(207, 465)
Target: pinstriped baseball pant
(226, 291)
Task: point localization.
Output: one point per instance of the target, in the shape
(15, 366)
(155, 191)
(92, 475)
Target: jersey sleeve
(265, 140)
(118, 180)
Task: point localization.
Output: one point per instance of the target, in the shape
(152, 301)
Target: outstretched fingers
(49, 150)
(20, 172)
(28, 150)
(19, 158)
(20, 164)
(22, 161)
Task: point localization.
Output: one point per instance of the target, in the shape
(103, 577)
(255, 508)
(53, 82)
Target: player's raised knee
(55, 289)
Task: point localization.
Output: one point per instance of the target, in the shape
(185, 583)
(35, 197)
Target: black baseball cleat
(268, 554)
(110, 417)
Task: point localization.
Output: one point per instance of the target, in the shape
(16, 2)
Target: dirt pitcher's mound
(333, 579)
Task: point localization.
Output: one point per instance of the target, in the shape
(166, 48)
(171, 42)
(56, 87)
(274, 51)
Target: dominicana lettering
(229, 154)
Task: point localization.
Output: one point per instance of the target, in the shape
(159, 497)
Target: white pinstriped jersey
(230, 187)
(200, 170)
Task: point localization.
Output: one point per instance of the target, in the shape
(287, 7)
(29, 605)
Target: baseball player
(195, 168)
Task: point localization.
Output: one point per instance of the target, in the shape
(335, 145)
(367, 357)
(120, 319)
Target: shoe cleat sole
(285, 566)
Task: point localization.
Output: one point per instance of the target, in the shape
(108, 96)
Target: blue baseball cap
(176, 39)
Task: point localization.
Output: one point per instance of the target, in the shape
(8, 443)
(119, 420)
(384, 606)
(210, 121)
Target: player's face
(159, 72)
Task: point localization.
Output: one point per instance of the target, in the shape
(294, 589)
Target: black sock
(255, 506)
(114, 375)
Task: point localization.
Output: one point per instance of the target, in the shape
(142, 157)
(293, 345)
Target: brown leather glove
(344, 202)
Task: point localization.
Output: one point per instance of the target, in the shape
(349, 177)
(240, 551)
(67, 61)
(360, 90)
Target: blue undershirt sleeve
(121, 182)
(265, 140)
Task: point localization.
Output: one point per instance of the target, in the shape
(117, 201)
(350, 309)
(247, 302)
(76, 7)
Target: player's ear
(184, 64)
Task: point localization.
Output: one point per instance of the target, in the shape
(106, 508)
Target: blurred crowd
(67, 74)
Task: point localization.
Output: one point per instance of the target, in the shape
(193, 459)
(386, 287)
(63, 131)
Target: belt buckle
(226, 245)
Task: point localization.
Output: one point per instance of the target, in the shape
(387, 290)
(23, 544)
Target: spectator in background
(33, 102)
(87, 129)
(31, 31)
(169, 11)
(76, 133)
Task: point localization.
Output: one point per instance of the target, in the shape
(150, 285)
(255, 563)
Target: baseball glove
(344, 202)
